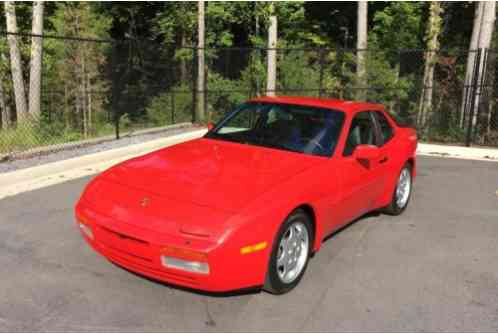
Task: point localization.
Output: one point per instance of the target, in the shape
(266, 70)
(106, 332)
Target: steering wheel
(316, 142)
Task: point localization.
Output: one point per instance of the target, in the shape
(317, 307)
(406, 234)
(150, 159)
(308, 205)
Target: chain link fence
(92, 88)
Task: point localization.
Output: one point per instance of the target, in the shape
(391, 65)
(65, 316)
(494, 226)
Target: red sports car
(247, 204)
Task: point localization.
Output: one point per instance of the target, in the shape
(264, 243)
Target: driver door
(360, 181)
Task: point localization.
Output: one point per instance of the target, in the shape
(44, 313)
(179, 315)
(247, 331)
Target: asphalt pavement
(435, 268)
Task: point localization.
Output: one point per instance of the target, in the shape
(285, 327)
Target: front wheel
(290, 253)
(402, 192)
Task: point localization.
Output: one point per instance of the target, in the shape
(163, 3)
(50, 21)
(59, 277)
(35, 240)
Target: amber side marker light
(253, 248)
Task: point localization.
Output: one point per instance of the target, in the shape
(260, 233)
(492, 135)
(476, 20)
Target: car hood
(193, 187)
(211, 173)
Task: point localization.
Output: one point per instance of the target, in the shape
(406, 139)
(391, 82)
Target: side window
(385, 128)
(361, 132)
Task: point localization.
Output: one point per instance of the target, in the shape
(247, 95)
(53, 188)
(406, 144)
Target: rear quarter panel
(402, 149)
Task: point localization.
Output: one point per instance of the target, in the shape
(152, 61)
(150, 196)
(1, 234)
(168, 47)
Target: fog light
(86, 230)
(190, 266)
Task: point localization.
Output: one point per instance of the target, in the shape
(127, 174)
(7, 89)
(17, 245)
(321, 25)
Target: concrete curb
(16, 182)
(60, 171)
(81, 143)
(460, 152)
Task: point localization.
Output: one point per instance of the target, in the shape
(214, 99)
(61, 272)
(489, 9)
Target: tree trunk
(484, 42)
(433, 31)
(470, 62)
(361, 46)
(5, 109)
(15, 62)
(255, 58)
(397, 69)
(271, 78)
(36, 60)
(200, 111)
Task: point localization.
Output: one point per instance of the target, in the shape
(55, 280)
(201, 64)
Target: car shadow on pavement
(345, 227)
(244, 291)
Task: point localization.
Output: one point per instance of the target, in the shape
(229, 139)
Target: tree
(5, 110)
(487, 26)
(471, 56)
(77, 64)
(395, 28)
(36, 59)
(176, 23)
(271, 78)
(15, 61)
(432, 45)
(361, 46)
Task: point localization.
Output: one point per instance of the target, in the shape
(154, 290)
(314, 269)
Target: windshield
(302, 129)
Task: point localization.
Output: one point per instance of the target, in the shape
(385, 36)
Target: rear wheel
(290, 253)
(402, 192)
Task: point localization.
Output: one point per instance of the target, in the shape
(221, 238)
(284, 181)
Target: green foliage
(82, 78)
(224, 95)
(298, 70)
(35, 133)
(172, 106)
(398, 26)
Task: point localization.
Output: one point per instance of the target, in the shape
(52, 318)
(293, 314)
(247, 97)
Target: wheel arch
(412, 163)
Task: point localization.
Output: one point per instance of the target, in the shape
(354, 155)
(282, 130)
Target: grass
(29, 135)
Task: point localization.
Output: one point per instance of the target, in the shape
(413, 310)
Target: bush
(172, 106)
(224, 95)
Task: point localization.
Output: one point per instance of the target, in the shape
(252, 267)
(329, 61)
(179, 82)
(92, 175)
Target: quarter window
(385, 128)
(361, 132)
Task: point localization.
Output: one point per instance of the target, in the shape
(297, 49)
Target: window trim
(382, 142)
(234, 112)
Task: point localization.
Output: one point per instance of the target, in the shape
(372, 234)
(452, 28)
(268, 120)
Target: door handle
(384, 159)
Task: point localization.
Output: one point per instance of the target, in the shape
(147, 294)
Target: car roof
(342, 105)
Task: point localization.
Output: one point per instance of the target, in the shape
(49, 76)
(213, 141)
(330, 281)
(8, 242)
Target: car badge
(144, 202)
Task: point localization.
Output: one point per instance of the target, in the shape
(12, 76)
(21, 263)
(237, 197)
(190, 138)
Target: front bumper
(139, 250)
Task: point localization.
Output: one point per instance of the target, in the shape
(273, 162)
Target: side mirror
(210, 125)
(366, 152)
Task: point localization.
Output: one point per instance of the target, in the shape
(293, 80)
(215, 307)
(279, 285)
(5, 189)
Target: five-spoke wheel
(290, 253)
(402, 192)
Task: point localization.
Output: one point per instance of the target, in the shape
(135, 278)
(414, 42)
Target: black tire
(273, 283)
(393, 208)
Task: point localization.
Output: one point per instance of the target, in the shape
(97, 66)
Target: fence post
(194, 82)
(172, 107)
(116, 124)
(205, 94)
(200, 115)
(322, 56)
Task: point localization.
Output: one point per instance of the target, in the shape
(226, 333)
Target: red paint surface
(216, 197)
